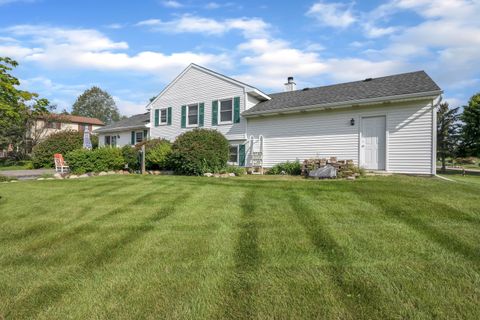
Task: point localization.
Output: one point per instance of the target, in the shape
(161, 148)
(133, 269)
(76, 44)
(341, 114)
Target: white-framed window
(107, 140)
(226, 111)
(138, 136)
(233, 154)
(113, 141)
(192, 115)
(163, 116)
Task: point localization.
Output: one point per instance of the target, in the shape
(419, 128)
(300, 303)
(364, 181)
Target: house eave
(347, 104)
(106, 130)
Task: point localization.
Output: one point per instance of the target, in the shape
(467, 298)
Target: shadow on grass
(358, 297)
(239, 302)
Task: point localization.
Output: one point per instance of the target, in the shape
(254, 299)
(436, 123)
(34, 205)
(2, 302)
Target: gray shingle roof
(395, 85)
(136, 121)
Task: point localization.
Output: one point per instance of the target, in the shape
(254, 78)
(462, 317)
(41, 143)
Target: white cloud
(114, 26)
(212, 5)
(172, 4)
(334, 14)
(128, 107)
(250, 27)
(85, 48)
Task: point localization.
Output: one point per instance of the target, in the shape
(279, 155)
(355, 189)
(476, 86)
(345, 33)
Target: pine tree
(470, 131)
(447, 132)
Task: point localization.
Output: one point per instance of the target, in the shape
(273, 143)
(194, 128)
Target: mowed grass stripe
(50, 291)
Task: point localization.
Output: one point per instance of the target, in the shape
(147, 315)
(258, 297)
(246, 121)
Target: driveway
(27, 174)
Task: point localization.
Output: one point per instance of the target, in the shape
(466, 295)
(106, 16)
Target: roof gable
(248, 88)
(135, 121)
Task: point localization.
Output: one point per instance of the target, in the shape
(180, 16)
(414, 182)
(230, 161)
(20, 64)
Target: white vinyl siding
(330, 133)
(196, 86)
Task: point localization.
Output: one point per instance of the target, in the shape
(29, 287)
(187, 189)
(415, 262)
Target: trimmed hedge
(101, 159)
(60, 142)
(157, 153)
(199, 151)
(131, 157)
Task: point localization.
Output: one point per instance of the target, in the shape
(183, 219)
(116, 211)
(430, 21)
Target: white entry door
(372, 143)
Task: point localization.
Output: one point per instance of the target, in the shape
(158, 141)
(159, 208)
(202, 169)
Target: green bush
(101, 159)
(466, 160)
(60, 142)
(199, 151)
(291, 168)
(157, 153)
(131, 157)
(239, 171)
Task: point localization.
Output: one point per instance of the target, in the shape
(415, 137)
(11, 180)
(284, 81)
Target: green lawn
(159, 247)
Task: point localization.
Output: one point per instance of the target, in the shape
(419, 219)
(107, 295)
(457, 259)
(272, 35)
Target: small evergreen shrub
(291, 168)
(157, 153)
(60, 142)
(131, 157)
(101, 159)
(199, 151)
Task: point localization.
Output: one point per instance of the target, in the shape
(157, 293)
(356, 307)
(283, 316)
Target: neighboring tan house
(128, 131)
(48, 124)
(386, 123)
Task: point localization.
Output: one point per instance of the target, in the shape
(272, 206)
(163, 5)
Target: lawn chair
(60, 165)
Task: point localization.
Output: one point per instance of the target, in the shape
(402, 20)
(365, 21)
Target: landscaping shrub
(349, 170)
(239, 171)
(5, 178)
(157, 153)
(199, 151)
(101, 159)
(60, 142)
(131, 157)
(291, 168)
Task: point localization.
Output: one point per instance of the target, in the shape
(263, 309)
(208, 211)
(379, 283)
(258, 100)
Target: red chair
(60, 164)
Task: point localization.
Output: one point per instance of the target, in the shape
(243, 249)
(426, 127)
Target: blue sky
(133, 49)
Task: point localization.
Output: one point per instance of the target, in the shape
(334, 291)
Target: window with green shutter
(184, 116)
(169, 116)
(156, 117)
(236, 109)
(201, 113)
(215, 113)
(241, 155)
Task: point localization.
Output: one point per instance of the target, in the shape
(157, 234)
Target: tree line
(458, 134)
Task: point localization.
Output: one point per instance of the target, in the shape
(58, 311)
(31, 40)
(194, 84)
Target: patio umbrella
(87, 142)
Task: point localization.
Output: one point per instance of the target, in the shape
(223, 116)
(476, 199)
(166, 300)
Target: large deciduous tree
(18, 108)
(96, 103)
(470, 132)
(447, 132)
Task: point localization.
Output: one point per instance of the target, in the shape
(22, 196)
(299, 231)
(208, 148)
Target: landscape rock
(103, 173)
(208, 174)
(84, 175)
(73, 176)
(216, 175)
(231, 174)
(167, 172)
(111, 172)
(13, 180)
(150, 172)
(351, 178)
(40, 179)
(126, 172)
(156, 172)
(50, 179)
(58, 176)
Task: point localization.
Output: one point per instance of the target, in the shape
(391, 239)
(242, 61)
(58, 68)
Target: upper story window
(192, 114)
(163, 116)
(226, 111)
(53, 125)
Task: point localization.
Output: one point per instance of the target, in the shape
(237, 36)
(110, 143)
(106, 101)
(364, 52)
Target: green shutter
(133, 138)
(145, 134)
(169, 116)
(215, 113)
(157, 111)
(236, 109)
(201, 113)
(241, 155)
(184, 116)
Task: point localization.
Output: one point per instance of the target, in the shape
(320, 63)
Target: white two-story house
(386, 123)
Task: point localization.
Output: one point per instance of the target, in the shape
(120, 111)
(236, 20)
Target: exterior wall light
(352, 122)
